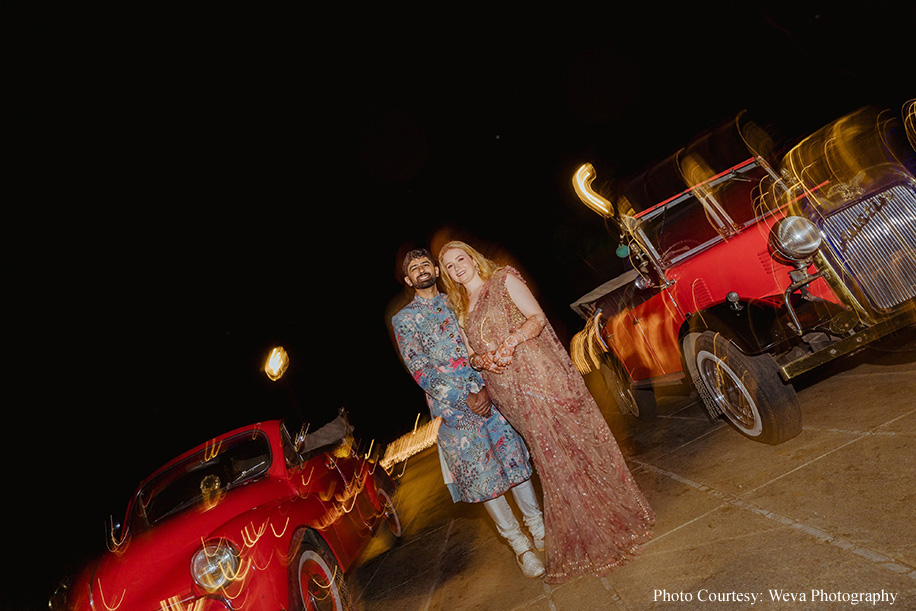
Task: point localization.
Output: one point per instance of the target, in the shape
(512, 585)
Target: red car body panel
(646, 337)
(263, 519)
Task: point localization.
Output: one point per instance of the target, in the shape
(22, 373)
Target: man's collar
(433, 298)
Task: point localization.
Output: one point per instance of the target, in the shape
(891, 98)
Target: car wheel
(316, 582)
(392, 520)
(640, 402)
(746, 390)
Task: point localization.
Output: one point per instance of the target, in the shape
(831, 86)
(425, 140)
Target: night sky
(193, 197)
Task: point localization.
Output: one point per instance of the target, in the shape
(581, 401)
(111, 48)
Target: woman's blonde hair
(457, 295)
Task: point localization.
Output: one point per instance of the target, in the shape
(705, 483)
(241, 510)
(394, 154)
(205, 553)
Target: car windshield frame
(202, 478)
(706, 217)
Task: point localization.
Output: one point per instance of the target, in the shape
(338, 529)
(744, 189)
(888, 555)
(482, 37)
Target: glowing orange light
(582, 183)
(277, 363)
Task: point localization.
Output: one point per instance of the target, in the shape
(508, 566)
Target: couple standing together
(491, 365)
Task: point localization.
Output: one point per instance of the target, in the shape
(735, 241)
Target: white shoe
(530, 564)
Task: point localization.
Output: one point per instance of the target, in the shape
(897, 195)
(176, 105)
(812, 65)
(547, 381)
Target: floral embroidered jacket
(481, 457)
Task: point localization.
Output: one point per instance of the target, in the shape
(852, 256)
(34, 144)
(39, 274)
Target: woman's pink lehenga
(594, 513)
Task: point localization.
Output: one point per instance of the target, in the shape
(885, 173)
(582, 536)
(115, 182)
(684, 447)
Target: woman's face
(459, 265)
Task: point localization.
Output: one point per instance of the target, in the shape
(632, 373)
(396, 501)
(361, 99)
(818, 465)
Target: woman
(595, 515)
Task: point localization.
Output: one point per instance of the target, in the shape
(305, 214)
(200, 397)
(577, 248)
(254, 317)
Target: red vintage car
(248, 520)
(748, 267)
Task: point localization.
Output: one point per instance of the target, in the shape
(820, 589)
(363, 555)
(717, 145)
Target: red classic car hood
(154, 566)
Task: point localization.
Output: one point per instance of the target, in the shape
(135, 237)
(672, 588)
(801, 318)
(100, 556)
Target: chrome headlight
(215, 565)
(795, 238)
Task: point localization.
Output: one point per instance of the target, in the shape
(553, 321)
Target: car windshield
(202, 478)
(703, 215)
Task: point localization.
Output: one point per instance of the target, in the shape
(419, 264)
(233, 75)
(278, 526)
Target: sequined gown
(595, 515)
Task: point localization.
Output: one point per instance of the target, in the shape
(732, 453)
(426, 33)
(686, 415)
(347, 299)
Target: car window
(202, 478)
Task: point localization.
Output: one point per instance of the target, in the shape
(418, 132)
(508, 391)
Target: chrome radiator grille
(876, 240)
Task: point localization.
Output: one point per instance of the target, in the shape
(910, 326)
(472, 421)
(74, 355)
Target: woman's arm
(535, 319)
(525, 301)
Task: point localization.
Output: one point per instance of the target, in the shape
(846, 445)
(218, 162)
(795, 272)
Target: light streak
(300, 438)
(240, 574)
(281, 533)
(582, 184)
(327, 585)
(584, 349)
(304, 481)
(324, 586)
(909, 121)
(349, 497)
(211, 452)
(258, 567)
(174, 604)
(328, 494)
(251, 538)
(407, 445)
(105, 602)
(116, 547)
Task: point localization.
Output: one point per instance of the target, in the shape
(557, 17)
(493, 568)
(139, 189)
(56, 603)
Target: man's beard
(425, 284)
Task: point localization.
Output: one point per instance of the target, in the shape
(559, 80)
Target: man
(481, 455)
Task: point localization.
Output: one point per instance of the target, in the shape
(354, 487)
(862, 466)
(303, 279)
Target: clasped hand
(490, 361)
(498, 360)
(479, 402)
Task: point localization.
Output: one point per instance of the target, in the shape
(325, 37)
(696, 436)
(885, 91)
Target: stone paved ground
(825, 516)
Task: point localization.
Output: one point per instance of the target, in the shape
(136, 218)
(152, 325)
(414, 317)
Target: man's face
(421, 273)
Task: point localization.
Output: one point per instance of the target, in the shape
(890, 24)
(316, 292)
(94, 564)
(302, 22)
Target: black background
(186, 195)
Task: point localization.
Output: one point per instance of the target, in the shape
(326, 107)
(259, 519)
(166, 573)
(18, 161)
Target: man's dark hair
(417, 253)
